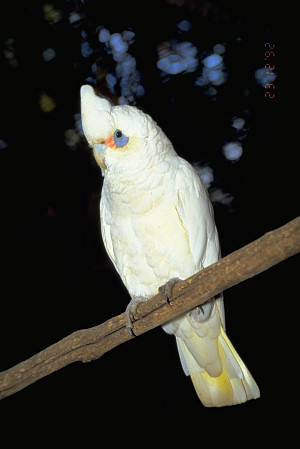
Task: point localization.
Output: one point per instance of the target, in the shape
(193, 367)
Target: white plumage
(157, 224)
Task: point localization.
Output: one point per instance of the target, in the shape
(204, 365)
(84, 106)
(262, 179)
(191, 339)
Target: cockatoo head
(123, 138)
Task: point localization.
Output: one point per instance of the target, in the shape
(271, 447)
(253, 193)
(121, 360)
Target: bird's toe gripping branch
(167, 289)
(130, 311)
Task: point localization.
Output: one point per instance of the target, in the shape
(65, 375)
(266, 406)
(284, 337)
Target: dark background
(56, 277)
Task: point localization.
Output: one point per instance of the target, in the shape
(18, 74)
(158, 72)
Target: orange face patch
(110, 142)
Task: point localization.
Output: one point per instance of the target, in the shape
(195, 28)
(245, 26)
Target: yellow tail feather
(234, 385)
(213, 391)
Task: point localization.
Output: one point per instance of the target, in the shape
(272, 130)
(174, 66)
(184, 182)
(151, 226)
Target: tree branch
(90, 344)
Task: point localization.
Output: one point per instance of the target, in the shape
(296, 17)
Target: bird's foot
(202, 312)
(130, 311)
(167, 289)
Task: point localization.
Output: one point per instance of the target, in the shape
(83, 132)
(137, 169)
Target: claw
(167, 289)
(129, 313)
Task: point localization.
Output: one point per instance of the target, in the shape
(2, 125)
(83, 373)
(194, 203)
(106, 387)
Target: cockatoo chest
(149, 244)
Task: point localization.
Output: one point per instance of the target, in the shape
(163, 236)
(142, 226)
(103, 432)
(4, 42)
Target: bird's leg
(167, 289)
(202, 312)
(130, 311)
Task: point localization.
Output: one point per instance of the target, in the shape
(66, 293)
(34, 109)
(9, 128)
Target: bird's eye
(120, 139)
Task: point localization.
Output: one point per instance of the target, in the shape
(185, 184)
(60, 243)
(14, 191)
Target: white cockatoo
(157, 224)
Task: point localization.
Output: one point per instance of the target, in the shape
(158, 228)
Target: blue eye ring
(120, 139)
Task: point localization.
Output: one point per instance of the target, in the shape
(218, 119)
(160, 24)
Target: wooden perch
(90, 344)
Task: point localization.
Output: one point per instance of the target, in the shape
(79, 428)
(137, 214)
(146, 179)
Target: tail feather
(232, 359)
(234, 383)
(213, 391)
(219, 375)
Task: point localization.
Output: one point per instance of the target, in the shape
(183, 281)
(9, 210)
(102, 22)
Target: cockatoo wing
(196, 214)
(106, 221)
(197, 217)
(207, 355)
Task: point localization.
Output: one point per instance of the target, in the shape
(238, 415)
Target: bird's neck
(138, 190)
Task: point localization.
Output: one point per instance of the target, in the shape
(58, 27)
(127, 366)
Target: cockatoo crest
(120, 135)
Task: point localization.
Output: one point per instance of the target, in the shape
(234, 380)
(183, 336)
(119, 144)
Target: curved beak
(99, 150)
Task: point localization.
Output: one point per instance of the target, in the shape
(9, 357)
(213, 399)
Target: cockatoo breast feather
(150, 230)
